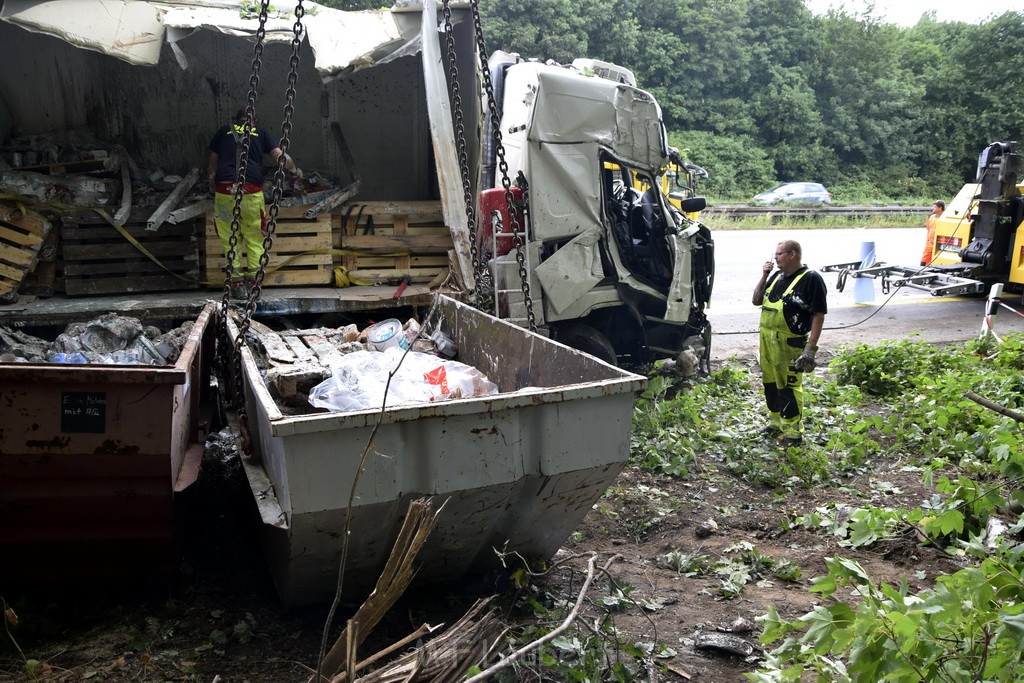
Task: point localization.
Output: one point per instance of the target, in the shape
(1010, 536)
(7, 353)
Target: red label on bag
(439, 378)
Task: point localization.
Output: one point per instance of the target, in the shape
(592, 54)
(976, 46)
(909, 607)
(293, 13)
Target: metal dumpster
(519, 469)
(90, 459)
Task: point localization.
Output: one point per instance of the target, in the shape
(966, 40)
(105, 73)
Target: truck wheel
(588, 340)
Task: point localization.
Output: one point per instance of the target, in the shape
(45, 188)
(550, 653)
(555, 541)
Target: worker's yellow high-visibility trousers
(783, 385)
(251, 228)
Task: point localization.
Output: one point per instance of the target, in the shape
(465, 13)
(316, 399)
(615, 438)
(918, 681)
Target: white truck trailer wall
(165, 116)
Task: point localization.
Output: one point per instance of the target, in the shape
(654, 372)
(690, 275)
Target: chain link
(268, 241)
(506, 182)
(455, 93)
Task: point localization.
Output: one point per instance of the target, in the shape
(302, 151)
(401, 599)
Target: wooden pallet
(290, 263)
(21, 237)
(97, 259)
(385, 242)
(42, 280)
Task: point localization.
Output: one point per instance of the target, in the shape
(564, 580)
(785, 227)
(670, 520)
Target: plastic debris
(360, 381)
(75, 358)
(111, 339)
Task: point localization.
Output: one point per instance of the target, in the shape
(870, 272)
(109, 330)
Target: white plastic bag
(359, 382)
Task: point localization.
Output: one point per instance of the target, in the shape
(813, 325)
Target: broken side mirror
(694, 204)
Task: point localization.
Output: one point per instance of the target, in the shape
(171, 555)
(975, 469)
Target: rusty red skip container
(91, 458)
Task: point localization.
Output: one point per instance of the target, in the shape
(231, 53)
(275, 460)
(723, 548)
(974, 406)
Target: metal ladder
(509, 303)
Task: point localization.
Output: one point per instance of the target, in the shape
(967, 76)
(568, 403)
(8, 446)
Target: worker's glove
(805, 362)
(297, 172)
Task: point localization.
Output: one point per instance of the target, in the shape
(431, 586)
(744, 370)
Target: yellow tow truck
(979, 239)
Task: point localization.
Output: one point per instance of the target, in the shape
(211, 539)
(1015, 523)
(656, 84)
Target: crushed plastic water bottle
(76, 358)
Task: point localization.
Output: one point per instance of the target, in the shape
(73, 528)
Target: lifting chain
(268, 240)
(480, 270)
(506, 182)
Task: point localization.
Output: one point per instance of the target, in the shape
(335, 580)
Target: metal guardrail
(739, 211)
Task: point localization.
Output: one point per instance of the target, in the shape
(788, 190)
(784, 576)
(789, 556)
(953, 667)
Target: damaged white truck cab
(615, 272)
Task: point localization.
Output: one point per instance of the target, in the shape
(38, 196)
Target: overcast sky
(907, 12)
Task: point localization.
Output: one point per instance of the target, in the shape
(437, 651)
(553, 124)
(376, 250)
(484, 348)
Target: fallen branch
(394, 579)
(992, 405)
(424, 630)
(469, 642)
(530, 647)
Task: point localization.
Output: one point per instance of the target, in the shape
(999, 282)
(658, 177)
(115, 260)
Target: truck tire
(588, 340)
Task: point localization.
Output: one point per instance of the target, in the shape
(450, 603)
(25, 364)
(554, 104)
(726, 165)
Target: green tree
(737, 167)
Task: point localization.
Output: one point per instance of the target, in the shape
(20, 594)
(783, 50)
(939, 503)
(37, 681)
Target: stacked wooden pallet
(100, 259)
(22, 235)
(300, 255)
(385, 242)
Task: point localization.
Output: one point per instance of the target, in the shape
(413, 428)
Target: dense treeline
(763, 90)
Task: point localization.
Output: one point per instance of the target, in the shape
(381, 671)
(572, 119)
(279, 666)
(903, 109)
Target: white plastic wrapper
(359, 382)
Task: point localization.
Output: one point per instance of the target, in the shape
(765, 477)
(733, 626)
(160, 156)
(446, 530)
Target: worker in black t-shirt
(793, 307)
(225, 150)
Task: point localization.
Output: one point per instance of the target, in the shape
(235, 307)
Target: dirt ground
(218, 618)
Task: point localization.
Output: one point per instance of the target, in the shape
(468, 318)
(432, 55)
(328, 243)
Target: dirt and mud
(218, 618)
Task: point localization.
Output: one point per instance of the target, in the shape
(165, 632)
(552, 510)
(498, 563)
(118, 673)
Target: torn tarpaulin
(135, 31)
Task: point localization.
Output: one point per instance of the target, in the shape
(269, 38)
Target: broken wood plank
(160, 215)
(334, 200)
(190, 211)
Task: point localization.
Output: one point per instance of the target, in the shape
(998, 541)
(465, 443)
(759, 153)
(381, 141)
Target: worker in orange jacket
(928, 255)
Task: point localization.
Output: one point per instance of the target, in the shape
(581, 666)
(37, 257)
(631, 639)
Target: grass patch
(811, 222)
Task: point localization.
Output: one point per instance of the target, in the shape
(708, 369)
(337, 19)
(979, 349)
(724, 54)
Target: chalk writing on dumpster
(83, 411)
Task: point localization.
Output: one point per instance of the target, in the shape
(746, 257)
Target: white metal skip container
(519, 469)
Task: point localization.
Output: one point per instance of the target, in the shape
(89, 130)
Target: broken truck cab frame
(618, 273)
(979, 238)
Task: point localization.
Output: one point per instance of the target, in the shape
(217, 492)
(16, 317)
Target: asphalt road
(855, 315)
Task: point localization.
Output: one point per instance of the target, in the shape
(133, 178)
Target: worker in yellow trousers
(225, 152)
(793, 307)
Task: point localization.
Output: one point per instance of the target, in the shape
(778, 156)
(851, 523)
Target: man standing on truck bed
(225, 150)
(793, 307)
